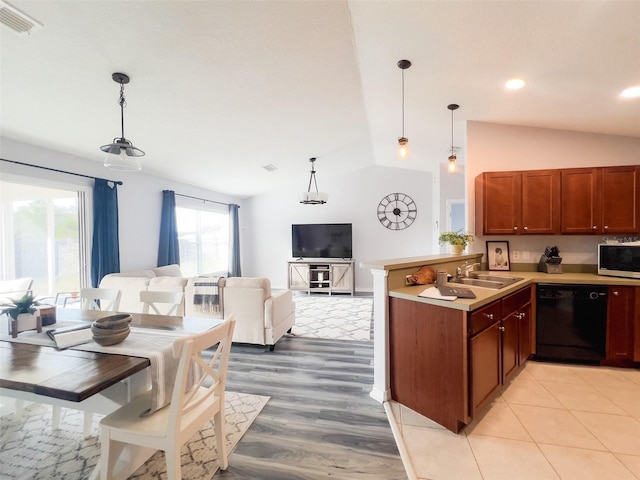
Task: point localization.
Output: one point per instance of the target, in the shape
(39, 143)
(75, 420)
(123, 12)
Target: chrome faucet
(464, 269)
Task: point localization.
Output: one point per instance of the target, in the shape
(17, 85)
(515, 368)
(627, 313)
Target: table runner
(153, 344)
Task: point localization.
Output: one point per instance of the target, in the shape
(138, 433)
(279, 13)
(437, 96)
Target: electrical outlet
(526, 255)
(516, 255)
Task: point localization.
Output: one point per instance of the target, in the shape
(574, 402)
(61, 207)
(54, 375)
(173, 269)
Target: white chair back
(151, 300)
(197, 398)
(106, 299)
(211, 374)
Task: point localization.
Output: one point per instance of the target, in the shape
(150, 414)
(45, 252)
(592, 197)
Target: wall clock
(397, 211)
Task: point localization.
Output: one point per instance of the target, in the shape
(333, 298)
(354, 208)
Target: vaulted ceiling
(219, 89)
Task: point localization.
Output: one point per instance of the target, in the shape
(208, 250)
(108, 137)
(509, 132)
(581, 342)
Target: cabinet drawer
(484, 317)
(515, 300)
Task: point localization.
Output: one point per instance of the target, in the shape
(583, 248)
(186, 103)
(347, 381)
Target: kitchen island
(447, 359)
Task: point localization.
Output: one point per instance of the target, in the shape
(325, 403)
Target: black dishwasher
(571, 323)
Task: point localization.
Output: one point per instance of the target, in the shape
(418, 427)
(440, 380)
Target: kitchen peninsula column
(381, 390)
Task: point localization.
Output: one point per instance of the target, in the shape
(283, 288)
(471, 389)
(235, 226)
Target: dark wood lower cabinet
(620, 323)
(524, 333)
(485, 353)
(428, 361)
(510, 342)
(447, 364)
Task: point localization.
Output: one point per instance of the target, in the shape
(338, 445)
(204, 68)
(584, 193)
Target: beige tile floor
(551, 422)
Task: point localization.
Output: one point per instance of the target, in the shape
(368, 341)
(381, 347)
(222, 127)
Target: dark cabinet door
(498, 201)
(581, 201)
(524, 333)
(484, 350)
(620, 323)
(621, 199)
(510, 345)
(541, 202)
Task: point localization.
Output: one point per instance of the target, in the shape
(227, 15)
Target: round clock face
(397, 211)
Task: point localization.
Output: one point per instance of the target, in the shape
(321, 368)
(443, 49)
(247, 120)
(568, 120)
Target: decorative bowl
(116, 336)
(107, 332)
(113, 322)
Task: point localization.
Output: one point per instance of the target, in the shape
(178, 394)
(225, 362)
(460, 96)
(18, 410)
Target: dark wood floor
(320, 421)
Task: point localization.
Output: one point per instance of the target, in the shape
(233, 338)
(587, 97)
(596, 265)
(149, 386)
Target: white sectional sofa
(130, 284)
(262, 318)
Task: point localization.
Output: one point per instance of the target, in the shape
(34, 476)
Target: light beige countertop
(407, 262)
(487, 295)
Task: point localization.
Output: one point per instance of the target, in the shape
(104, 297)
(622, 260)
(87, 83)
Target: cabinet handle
(501, 328)
(515, 228)
(526, 228)
(489, 316)
(606, 226)
(616, 293)
(594, 227)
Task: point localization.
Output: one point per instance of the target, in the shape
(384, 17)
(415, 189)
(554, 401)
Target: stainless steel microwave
(619, 259)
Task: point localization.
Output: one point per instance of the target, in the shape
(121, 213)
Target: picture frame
(498, 255)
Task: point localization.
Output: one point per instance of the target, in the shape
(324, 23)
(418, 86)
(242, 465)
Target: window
(203, 238)
(43, 236)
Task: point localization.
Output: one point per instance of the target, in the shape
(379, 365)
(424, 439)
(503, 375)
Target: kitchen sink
(485, 280)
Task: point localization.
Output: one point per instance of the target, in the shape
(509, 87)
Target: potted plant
(458, 240)
(23, 315)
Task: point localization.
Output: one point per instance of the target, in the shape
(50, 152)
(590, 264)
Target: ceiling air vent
(16, 20)
(270, 168)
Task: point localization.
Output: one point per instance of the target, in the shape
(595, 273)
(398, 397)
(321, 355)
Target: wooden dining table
(75, 375)
(92, 381)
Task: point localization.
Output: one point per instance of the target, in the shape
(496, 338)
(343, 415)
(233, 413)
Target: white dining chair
(191, 407)
(171, 301)
(107, 299)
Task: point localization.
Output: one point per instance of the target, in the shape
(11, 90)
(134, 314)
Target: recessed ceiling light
(514, 84)
(631, 92)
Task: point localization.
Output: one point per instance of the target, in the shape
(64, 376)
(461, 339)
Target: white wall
(139, 198)
(353, 198)
(494, 147)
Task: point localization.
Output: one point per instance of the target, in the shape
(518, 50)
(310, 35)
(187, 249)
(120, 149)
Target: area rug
(29, 449)
(334, 317)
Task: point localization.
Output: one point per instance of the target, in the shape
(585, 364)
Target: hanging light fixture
(453, 167)
(121, 154)
(313, 198)
(403, 141)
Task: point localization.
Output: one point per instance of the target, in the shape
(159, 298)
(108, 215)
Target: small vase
(457, 249)
(24, 322)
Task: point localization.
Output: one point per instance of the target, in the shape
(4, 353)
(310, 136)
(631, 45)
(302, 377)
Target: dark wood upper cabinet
(498, 202)
(514, 203)
(601, 200)
(621, 199)
(541, 202)
(581, 200)
(573, 201)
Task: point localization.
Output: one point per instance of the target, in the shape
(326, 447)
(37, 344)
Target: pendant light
(403, 141)
(452, 168)
(313, 198)
(122, 155)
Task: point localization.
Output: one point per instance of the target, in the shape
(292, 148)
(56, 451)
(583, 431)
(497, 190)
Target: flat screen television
(321, 240)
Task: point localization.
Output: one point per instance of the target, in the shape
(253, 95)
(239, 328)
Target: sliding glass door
(43, 236)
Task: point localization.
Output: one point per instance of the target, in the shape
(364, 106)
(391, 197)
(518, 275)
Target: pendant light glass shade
(403, 142)
(452, 167)
(310, 197)
(121, 154)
